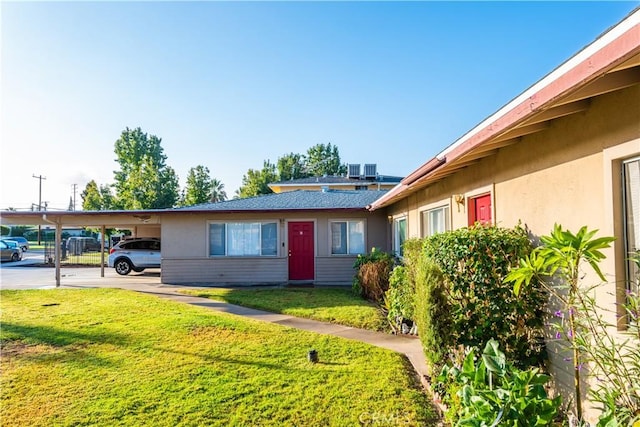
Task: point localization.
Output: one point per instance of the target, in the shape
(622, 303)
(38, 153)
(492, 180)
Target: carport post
(57, 251)
(102, 251)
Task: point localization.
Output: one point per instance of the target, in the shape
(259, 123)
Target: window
(243, 239)
(347, 237)
(399, 235)
(435, 221)
(631, 212)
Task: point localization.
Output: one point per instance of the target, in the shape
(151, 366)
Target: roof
(333, 179)
(298, 200)
(610, 63)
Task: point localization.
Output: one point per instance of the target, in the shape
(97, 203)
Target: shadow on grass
(62, 345)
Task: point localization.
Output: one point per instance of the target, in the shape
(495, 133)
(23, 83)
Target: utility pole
(75, 187)
(40, 177)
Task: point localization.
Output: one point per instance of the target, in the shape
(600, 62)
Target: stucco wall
(567, 174)
(185, 256)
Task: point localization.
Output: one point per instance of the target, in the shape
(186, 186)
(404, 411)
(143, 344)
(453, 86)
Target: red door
(480, 209)
(301, 251)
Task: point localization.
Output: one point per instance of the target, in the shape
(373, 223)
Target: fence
(73, 254)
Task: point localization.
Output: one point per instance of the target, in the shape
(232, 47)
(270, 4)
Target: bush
(372, 274)
(399, 299)
(474, 262)
(432, 312)
(489, 391)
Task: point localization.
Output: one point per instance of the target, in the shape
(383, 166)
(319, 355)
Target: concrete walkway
(149, 282)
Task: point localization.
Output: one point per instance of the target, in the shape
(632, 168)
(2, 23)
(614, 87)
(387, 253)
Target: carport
(143, 223)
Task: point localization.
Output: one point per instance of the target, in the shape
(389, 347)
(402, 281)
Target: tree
(199, 186)
(292, 166)
(96, 198)
(91, 197)
(256, 182)
(324, 159)
(217, 191)
(144, 181)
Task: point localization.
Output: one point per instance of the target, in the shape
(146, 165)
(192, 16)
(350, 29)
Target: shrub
(372, 274)
(432, 311)
(489, 391)
(399, 299)
(474, 262)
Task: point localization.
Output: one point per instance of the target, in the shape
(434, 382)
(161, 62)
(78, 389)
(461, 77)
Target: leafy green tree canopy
(321, 159)
(256, 182)
(201, 188)
(324, 159)
(144, 181)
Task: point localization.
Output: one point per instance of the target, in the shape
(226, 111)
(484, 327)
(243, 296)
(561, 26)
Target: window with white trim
(243, 239)
(631, 212)
(435, 221)
(347, 237)
(399, 235)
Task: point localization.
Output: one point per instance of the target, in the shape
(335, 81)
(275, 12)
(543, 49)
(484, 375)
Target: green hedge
(461, 298)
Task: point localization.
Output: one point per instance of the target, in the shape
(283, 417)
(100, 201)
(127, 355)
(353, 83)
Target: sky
(228, 85)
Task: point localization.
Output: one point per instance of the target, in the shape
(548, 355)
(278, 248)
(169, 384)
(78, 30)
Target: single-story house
(295, 236)
(566, 151)
(292, 237)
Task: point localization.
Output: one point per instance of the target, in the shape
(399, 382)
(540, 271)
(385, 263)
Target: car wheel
(123, 267)
(15, 257)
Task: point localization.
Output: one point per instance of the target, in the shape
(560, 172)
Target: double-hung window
(347, 237)
(435, 221)
(243, 239)
(631, 212)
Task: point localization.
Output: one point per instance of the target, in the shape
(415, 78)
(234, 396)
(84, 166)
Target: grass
(118, 358)
(333, 305)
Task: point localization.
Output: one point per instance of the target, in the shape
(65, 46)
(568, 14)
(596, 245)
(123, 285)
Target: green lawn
(335, 305)
(114, 357)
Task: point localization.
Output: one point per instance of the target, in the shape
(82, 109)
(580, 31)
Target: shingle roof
(295, 200)
(332, 179)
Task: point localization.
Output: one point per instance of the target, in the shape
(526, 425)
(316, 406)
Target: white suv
(135, 254)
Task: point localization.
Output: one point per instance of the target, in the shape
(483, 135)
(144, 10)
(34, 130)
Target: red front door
(480, 210)
(301, 251)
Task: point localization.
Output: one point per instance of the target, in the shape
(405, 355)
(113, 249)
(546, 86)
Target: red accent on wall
(301, 251)
(480, 209)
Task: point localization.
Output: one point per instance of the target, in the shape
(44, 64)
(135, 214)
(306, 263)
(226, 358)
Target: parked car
(8, 253)
(24, 243)
(77, 245)
(135, 254)
(13, 244)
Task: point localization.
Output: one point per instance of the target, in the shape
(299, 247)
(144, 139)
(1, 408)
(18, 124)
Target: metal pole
(40, 177)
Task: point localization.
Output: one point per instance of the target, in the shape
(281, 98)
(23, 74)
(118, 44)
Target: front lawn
(114, 357)
(335, 305)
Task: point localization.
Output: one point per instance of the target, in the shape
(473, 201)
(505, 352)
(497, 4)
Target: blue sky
(228, 85)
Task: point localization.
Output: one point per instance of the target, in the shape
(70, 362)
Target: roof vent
(325, 188)
(354, 171)
(370, 170)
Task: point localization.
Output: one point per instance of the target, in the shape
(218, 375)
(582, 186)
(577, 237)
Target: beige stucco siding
(185, 256)
(567, 174)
